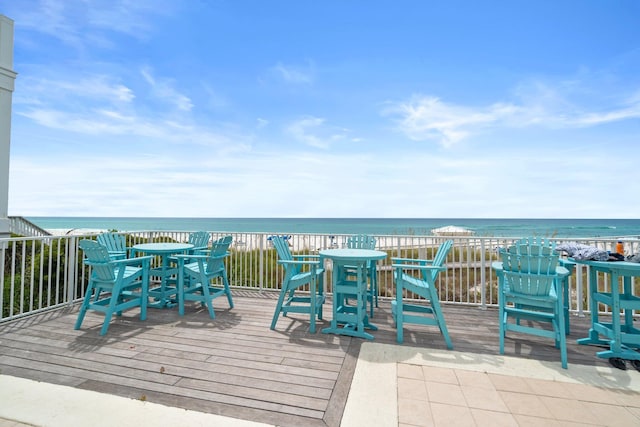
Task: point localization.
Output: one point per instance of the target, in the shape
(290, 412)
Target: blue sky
(359, 108)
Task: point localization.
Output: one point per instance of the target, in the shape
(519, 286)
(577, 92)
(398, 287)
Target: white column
(7, 79)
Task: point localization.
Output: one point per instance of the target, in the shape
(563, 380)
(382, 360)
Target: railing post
(483, 276)
(72, 269)
(579, 285)
(261, 263)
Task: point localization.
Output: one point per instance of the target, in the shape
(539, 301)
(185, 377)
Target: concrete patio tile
(482, 398)
(474, 379)
(510, 383)
(548, 388)
(562, 423)
(635, 412)
(531, 421)
(449, 394)
(493, 419)
(406, 370)
(627, 398)
(451, 416)
(412, 389)
(414, 412)
(440, 375)
(612, 415)
(525, 404)
(568, 409)
(589, 393)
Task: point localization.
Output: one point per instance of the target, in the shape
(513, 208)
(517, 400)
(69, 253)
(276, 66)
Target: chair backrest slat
(99, 259)
(199, 239)
(361, 241)
(113, 241)
(219, 248)
(530, 266)
(282, 248)
(441, 254)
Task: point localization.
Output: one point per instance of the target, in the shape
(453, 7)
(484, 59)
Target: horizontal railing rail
(46, 272)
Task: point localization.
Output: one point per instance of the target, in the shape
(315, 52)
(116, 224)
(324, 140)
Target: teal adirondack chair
(417, 278)
(115, 285)
(363, 241)
(115, 243)
(529, 283)
(300, 271)
(200, 242)
(202, 277)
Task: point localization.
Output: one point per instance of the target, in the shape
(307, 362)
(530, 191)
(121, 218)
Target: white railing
(24, 227)
(42, 273)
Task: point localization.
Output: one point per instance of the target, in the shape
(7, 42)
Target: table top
(353, 254)
(162, 247)
(621, 267)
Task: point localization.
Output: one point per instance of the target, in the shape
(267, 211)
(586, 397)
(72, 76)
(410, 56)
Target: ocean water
(490, 227)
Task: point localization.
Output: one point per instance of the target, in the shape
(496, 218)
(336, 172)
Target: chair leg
(435, 303)
(84, 307)
(561, 332)
(373, 289)
(208, 301)
(502, 319)
(502, 316)
(109, 313)
(276, 314)
(399, 312)
(227, 289)
(565, 304)
(181, 286)
(144, 295)
(312, 303)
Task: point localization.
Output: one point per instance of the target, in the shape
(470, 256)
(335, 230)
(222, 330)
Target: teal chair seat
(416, 294)
(115, 285)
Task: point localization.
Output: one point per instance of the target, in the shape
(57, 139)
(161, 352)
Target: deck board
(235, 365)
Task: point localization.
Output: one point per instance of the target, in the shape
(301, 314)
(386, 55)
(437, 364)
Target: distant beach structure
(452, 230)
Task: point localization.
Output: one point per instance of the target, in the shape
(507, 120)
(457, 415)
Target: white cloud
(424, 117)
(313, 132)
(293, 74)
(163, 90)
(97, 88)
(83, 24)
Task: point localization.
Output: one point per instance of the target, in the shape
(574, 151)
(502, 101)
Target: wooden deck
(235, 365)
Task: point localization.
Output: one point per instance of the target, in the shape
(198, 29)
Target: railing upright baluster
(483, 276)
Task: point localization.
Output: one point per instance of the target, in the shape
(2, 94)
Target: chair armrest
(562, 272)
(126, 261)
(418, 267)
(297, 262)
(411, 260)
(497, 265)
(132, 261)
(307, 256)
(186, 257)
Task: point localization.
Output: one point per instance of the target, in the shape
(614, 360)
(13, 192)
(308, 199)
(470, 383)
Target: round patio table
(353, 320)
(163, 293)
